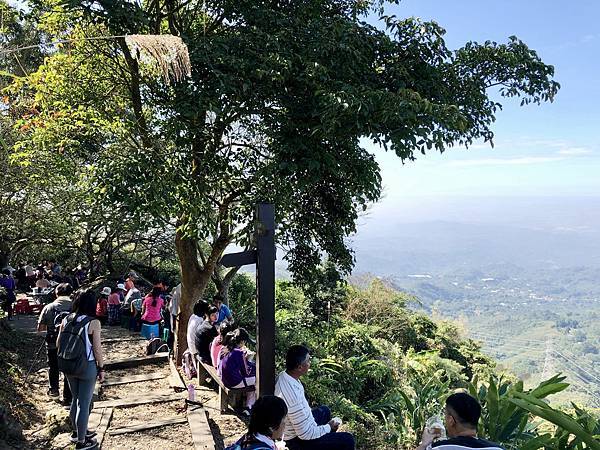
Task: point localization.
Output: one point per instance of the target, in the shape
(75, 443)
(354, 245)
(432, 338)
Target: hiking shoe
(89, 444)
(89, 435)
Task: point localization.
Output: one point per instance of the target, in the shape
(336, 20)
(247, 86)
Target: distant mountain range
(441, 247)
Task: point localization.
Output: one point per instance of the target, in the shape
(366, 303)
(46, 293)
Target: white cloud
(522, 161)
(574, 151)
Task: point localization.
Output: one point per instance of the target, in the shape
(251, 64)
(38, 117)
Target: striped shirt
(465, 442)
(299, 422)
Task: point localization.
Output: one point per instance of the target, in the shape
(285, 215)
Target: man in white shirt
(194, 323)
(305, 428)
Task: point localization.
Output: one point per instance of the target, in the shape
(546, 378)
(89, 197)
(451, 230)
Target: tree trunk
(194, 279)
(193, 283)
(222, 283)
(4, 258)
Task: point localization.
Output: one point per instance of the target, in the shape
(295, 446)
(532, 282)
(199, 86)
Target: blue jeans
(329, 441)
(82, 390)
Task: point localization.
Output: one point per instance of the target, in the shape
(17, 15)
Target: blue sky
(548, 150)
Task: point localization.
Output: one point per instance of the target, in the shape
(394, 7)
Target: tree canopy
(279, 97)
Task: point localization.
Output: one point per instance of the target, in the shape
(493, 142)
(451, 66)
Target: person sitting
(305, 428)
(462, 414)
(194, 322)
(102, 306)
(42, 282)
(224, 313)
(218, 342)
(205, 334)
(266, 425)
(234, 369)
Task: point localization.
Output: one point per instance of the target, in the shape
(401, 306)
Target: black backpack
(72, 354)
(52, 332)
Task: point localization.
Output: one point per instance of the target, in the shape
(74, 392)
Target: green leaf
(531, 404)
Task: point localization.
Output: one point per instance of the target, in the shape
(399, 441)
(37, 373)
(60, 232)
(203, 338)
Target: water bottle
(191, 392)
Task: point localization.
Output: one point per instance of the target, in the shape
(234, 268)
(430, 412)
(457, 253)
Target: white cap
(106, 291)
(121, 286)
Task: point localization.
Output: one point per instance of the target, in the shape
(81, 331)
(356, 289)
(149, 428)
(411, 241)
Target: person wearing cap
(461, 416)
(223, 310)
(114, 307)
(121, 291)
(102, 305)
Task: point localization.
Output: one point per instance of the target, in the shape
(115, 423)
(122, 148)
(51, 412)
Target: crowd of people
(73, 322)
(38, 277)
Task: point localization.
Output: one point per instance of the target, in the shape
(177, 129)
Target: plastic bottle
(191, 392)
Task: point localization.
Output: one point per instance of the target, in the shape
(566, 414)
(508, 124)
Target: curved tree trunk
(194, 279)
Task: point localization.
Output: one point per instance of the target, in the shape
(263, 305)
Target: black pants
(53, 375)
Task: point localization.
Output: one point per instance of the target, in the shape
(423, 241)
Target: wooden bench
(227, 396)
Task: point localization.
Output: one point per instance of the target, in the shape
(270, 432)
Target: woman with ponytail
(151, 307)
(235, 370)
(266, 425)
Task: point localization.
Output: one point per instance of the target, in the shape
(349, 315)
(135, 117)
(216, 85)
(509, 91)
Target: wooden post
(264, 258)
(265, 306)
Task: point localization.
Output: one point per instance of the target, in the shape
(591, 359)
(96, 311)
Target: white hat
(106, 291)
(121, 286)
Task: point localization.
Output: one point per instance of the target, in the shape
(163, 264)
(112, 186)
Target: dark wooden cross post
(264, 258)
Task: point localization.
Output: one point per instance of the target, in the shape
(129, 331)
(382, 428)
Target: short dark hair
(64, 289)
(200, 308)
(266, 415)
(6, 271)
(466, 409)
(85, 303)
(212, 309)
(218, 298)
(295, 356)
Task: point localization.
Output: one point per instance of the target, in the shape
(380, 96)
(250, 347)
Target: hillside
(531, 296)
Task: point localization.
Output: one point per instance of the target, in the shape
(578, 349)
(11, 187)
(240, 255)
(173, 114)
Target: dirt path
(48, 425)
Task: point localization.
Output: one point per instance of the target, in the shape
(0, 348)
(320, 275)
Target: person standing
(8, 283)
(174, 312)
(131, 293)
(102, 305)
(151, 307)
(114, 307)
(49, 321)
(30, 273)
(82, 323)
